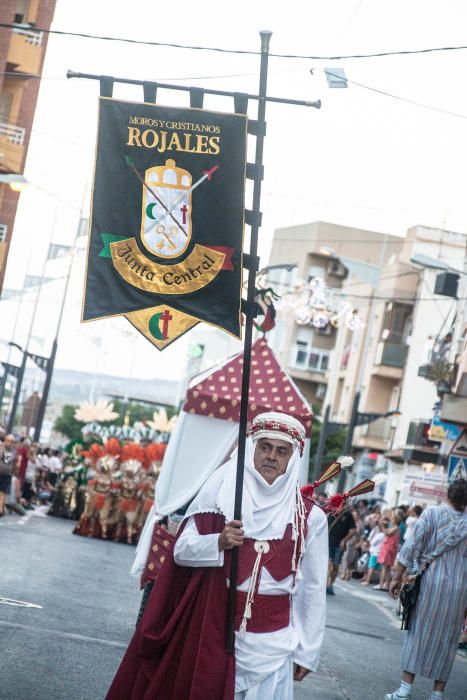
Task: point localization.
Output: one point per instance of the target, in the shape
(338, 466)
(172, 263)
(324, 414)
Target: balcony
(419, 448)
(454, 408)
(376, 435)
(11, 147)
(390, 359)
(25, 50)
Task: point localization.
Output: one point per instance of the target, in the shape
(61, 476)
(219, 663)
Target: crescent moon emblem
(149, 209)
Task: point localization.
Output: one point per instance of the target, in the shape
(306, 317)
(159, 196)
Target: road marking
(18, 603)
(64, 635)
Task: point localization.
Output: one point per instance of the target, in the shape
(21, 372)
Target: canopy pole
(249, 316)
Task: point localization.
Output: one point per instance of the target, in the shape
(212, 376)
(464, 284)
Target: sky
(365, 159)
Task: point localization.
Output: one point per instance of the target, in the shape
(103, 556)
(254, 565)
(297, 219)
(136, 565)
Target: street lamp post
(19, 382)
(331, 427)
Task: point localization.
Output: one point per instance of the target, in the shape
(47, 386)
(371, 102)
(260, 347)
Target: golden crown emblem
(168, 175)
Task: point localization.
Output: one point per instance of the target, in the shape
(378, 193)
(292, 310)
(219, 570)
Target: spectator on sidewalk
(28, 490)
(438, 545)
(55, 467)
(7, 464)
(375, 541)
(363, 559)
(414, 514)
(341, 528)
(12, 501)
(351, 551)
(22, 451)
(389, 549)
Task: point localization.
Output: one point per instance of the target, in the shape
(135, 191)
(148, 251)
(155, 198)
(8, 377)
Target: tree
(334, 443)
(67, 425)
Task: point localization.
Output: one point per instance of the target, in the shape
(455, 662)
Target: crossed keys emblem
(166, 207)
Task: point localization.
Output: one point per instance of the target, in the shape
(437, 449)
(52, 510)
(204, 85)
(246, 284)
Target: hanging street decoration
(166, 229)
(314, 304)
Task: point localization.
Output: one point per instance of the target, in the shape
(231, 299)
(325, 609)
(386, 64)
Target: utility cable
(378, 54)
(397, 97)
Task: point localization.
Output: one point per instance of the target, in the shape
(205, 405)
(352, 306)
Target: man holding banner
(178, 649)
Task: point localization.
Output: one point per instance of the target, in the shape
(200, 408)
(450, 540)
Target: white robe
(264, 661)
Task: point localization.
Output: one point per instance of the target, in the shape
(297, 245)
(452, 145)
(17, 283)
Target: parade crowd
(29, 474)
(108, 488)
(364, 542)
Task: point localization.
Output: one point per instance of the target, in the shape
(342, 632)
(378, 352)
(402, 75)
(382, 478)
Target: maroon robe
(177, 651)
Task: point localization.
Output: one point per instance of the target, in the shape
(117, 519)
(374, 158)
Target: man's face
(271, 458)
(9, 442)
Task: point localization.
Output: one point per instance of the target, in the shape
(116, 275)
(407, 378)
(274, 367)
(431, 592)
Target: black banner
(166, 234)
(14, 370)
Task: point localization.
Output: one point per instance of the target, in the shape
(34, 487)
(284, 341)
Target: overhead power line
(314, 57)
(398, 97)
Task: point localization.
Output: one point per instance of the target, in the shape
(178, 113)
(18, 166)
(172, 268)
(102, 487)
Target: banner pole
(249, 316)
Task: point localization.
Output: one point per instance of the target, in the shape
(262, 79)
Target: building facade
(405, 319)
(320, 250)
(22, 52)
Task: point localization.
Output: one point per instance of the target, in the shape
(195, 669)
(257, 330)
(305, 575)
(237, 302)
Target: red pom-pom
(308, 490)
(335, 503)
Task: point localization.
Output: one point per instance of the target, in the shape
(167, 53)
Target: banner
(166, 228)
(14, 370)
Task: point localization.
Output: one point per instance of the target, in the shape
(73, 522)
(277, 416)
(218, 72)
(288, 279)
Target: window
(307, 358)
(301, 354)
(320, 391)
(3, 232)
(397, 323)
(22, 11)
(5, 107)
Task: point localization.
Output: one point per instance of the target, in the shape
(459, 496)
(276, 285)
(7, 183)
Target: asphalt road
(69, 646)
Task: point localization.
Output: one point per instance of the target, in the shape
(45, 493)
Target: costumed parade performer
(178, 650)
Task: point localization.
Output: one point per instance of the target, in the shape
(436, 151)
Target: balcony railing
(391, 354)
(379, 429)
(14, 134)
(3, 232)
(32, 36)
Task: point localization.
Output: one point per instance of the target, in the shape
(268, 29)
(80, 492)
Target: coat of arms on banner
(166, 237)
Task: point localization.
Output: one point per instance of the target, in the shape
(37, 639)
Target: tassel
(260, 547)
(335, 503)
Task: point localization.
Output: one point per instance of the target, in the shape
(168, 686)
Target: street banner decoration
(167, 219)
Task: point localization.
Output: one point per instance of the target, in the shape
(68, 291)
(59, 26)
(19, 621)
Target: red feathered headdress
(133, 451)
(112, 447)
(154, 453)
(94, 453)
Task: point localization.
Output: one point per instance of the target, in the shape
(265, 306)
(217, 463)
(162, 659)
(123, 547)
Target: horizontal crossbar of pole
(187, 88)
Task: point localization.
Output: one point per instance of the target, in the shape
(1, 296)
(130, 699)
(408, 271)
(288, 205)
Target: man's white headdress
(267, 509)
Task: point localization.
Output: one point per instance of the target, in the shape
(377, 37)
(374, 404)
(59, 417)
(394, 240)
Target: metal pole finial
(265, 35)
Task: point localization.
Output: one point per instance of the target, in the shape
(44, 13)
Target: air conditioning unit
(337, 269)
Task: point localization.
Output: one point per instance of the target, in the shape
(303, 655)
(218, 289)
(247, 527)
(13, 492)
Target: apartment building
(328, 251)
(385, 361)
(22, 52)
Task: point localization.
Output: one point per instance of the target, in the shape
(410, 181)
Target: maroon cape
(177, 651)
